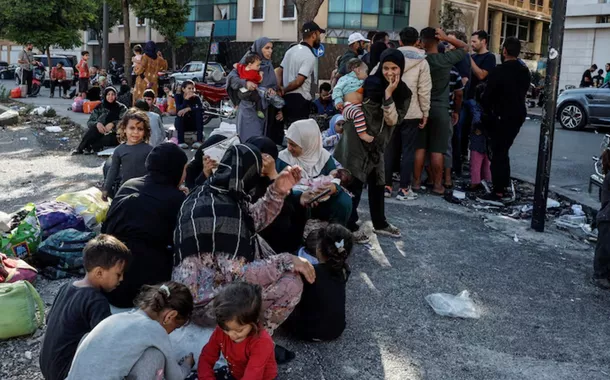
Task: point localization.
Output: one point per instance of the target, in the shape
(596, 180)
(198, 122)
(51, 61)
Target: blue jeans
(461, 133)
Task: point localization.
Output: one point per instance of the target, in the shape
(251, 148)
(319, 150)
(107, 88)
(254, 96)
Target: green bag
(23, 240)
(22, 309)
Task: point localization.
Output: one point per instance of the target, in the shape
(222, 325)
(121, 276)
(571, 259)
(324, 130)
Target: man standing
(356, 43)
(434, 137)
(297, 72)
(504, 102)
(26, 62)
(417, 77)
(587, 77)
(58, 78)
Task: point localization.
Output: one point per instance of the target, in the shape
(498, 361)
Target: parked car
(67, 62)
(7, 72)
(194, 71)
(3, 65)
(579, 107)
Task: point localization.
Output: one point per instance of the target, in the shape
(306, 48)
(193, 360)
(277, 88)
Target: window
(257, 10)
(196, 67)
(605, 19)
(368, 14)
(336, 6)
(288, 10)
(140, 21)
(204, 13)
(91, 35)
(521, 28)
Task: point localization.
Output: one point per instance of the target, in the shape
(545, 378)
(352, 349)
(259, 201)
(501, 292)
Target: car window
(54, 60)
(186, 68)
(214, 66)
(196, 67)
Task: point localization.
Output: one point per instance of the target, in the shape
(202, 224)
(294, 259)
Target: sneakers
(360, 237)
(406, 195)
(491, 199)
(387, 192)
(197, 145)
(183, 146)
(390, 231)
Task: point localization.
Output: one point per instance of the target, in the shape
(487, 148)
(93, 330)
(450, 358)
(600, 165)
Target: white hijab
(306, 134)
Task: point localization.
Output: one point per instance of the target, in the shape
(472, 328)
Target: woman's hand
(109, 127)
(189, 360)
(332, 187)
(269, 169)
(392, 86)
(208, 166)
(100, 128)
(251, 86)
(307, 196)
(287, 179)
(183, 111)
(271, 92)
(279, 116)
(305, 268)
(105, 196)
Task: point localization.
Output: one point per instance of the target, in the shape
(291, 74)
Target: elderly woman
(248, 123)
(102, 124)
(386, 100)
(306, 151)
(147, 72)
(216, 240)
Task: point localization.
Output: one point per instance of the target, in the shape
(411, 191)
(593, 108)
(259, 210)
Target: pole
(547, 127)
(207, 56)
(105, 27)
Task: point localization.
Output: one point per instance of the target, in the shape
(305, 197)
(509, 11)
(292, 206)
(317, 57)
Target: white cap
(356, 37)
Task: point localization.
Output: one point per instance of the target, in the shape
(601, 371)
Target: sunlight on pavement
(367, 280)
(377, 253)
(400, 245)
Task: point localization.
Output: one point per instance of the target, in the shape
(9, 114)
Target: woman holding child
(147, 70)
(249, 124)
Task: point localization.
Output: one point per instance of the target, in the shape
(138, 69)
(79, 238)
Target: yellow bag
(89, 204)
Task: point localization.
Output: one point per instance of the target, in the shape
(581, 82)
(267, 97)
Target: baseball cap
(355, 37)
(311, 26)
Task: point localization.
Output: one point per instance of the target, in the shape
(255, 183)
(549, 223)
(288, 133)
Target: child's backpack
(56, 216)
(77, 105)
(13, 270)
(22, 309)
(62, 253)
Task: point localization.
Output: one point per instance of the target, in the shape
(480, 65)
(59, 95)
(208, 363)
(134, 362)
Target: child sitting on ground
(239, 336)
(129, 158)
(80, 306)
(136, 345)
(347, 96)
(320, 315)
(250, 71)
(331, 136)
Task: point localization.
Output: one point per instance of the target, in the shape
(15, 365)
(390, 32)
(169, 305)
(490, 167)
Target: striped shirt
(354, 112)
(455, 84)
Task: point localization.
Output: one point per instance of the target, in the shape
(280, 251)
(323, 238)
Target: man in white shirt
(297, 73)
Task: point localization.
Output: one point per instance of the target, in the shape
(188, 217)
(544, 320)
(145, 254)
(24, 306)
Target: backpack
(61, 255)
(13, 270)
(22, 309)
(57, 216)
(77, 105)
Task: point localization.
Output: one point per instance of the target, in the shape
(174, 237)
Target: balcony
(258, 13)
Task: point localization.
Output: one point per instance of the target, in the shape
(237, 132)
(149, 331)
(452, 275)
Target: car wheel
(17, 81)
(572, 116)
(2, 76)
(195, 80)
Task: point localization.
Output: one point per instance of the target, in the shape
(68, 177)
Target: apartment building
(586, 39)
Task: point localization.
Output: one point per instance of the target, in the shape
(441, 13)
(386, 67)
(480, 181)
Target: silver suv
(194, 71)
(67, 62)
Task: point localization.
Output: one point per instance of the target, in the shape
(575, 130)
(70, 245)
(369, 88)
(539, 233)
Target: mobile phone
(319, 196)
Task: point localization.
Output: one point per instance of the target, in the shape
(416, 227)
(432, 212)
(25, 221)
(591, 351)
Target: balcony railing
(288, 11)
(258, 13)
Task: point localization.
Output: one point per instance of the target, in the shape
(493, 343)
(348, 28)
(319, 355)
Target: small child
(80, 306)
(239, 336)
(331, 136)
(341, 177)
(320, 316)
(129, 158)
(480, 165)
(83, 74)
(349, 90)
(136, 345)
(250, 71)
(170, 101)
(136, 63)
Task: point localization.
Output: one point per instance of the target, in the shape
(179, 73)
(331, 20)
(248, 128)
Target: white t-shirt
(299, 59)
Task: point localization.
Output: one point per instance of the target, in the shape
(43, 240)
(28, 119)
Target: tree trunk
(50, 65)
(127, 41)
(307, 10)
(173, 57)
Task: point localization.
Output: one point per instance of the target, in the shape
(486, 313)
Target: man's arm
(442, 36)
(22, 59)
(295, 84)
(483, 72)
(279, 75)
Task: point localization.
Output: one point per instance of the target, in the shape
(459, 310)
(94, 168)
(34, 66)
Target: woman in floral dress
(147, 72)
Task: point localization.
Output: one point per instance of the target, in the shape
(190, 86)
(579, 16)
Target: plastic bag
(22, 309)
(460, 306)
(89, 204)
(25, 236)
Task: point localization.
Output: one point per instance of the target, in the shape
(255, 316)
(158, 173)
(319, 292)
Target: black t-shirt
(75, 312)
(485, 61)
(586, 74)
(321, 313)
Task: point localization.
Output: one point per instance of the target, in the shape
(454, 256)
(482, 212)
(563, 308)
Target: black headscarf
(265, 145)
(114, 109)
(150, 49)
(165, 164)
(375, 85)
(376, 50)
(215, 218)
(194, 170)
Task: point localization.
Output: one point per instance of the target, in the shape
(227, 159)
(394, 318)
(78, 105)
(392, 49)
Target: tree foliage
(307, 10)
(168, 17)
(115, 17)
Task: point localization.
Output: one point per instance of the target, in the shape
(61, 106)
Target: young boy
(80, 306)
(349, 90)
(250, 71)
(83, 74)
(150, 97)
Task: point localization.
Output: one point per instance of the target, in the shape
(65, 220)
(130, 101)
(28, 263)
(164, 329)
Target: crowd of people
(592, 77)
(261, 237)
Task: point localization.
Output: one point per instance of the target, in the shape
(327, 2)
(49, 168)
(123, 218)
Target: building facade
(586, 39)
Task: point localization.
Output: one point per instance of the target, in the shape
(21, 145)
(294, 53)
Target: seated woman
(217, 242)
(136, 345)
(306, 151)
(199, 169)
(189, 116)
(102, 125)
(143, 216)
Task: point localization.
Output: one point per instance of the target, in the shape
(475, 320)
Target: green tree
(46, 23)
(307, 10)
(115, 16)
(168, 17)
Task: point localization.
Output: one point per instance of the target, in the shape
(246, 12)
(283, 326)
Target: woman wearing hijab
(199, 169)
(217, 242)
(306, 151)
(102, 124)
(143, 215)
(248, 122)
(147, 72)
(386, 101)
